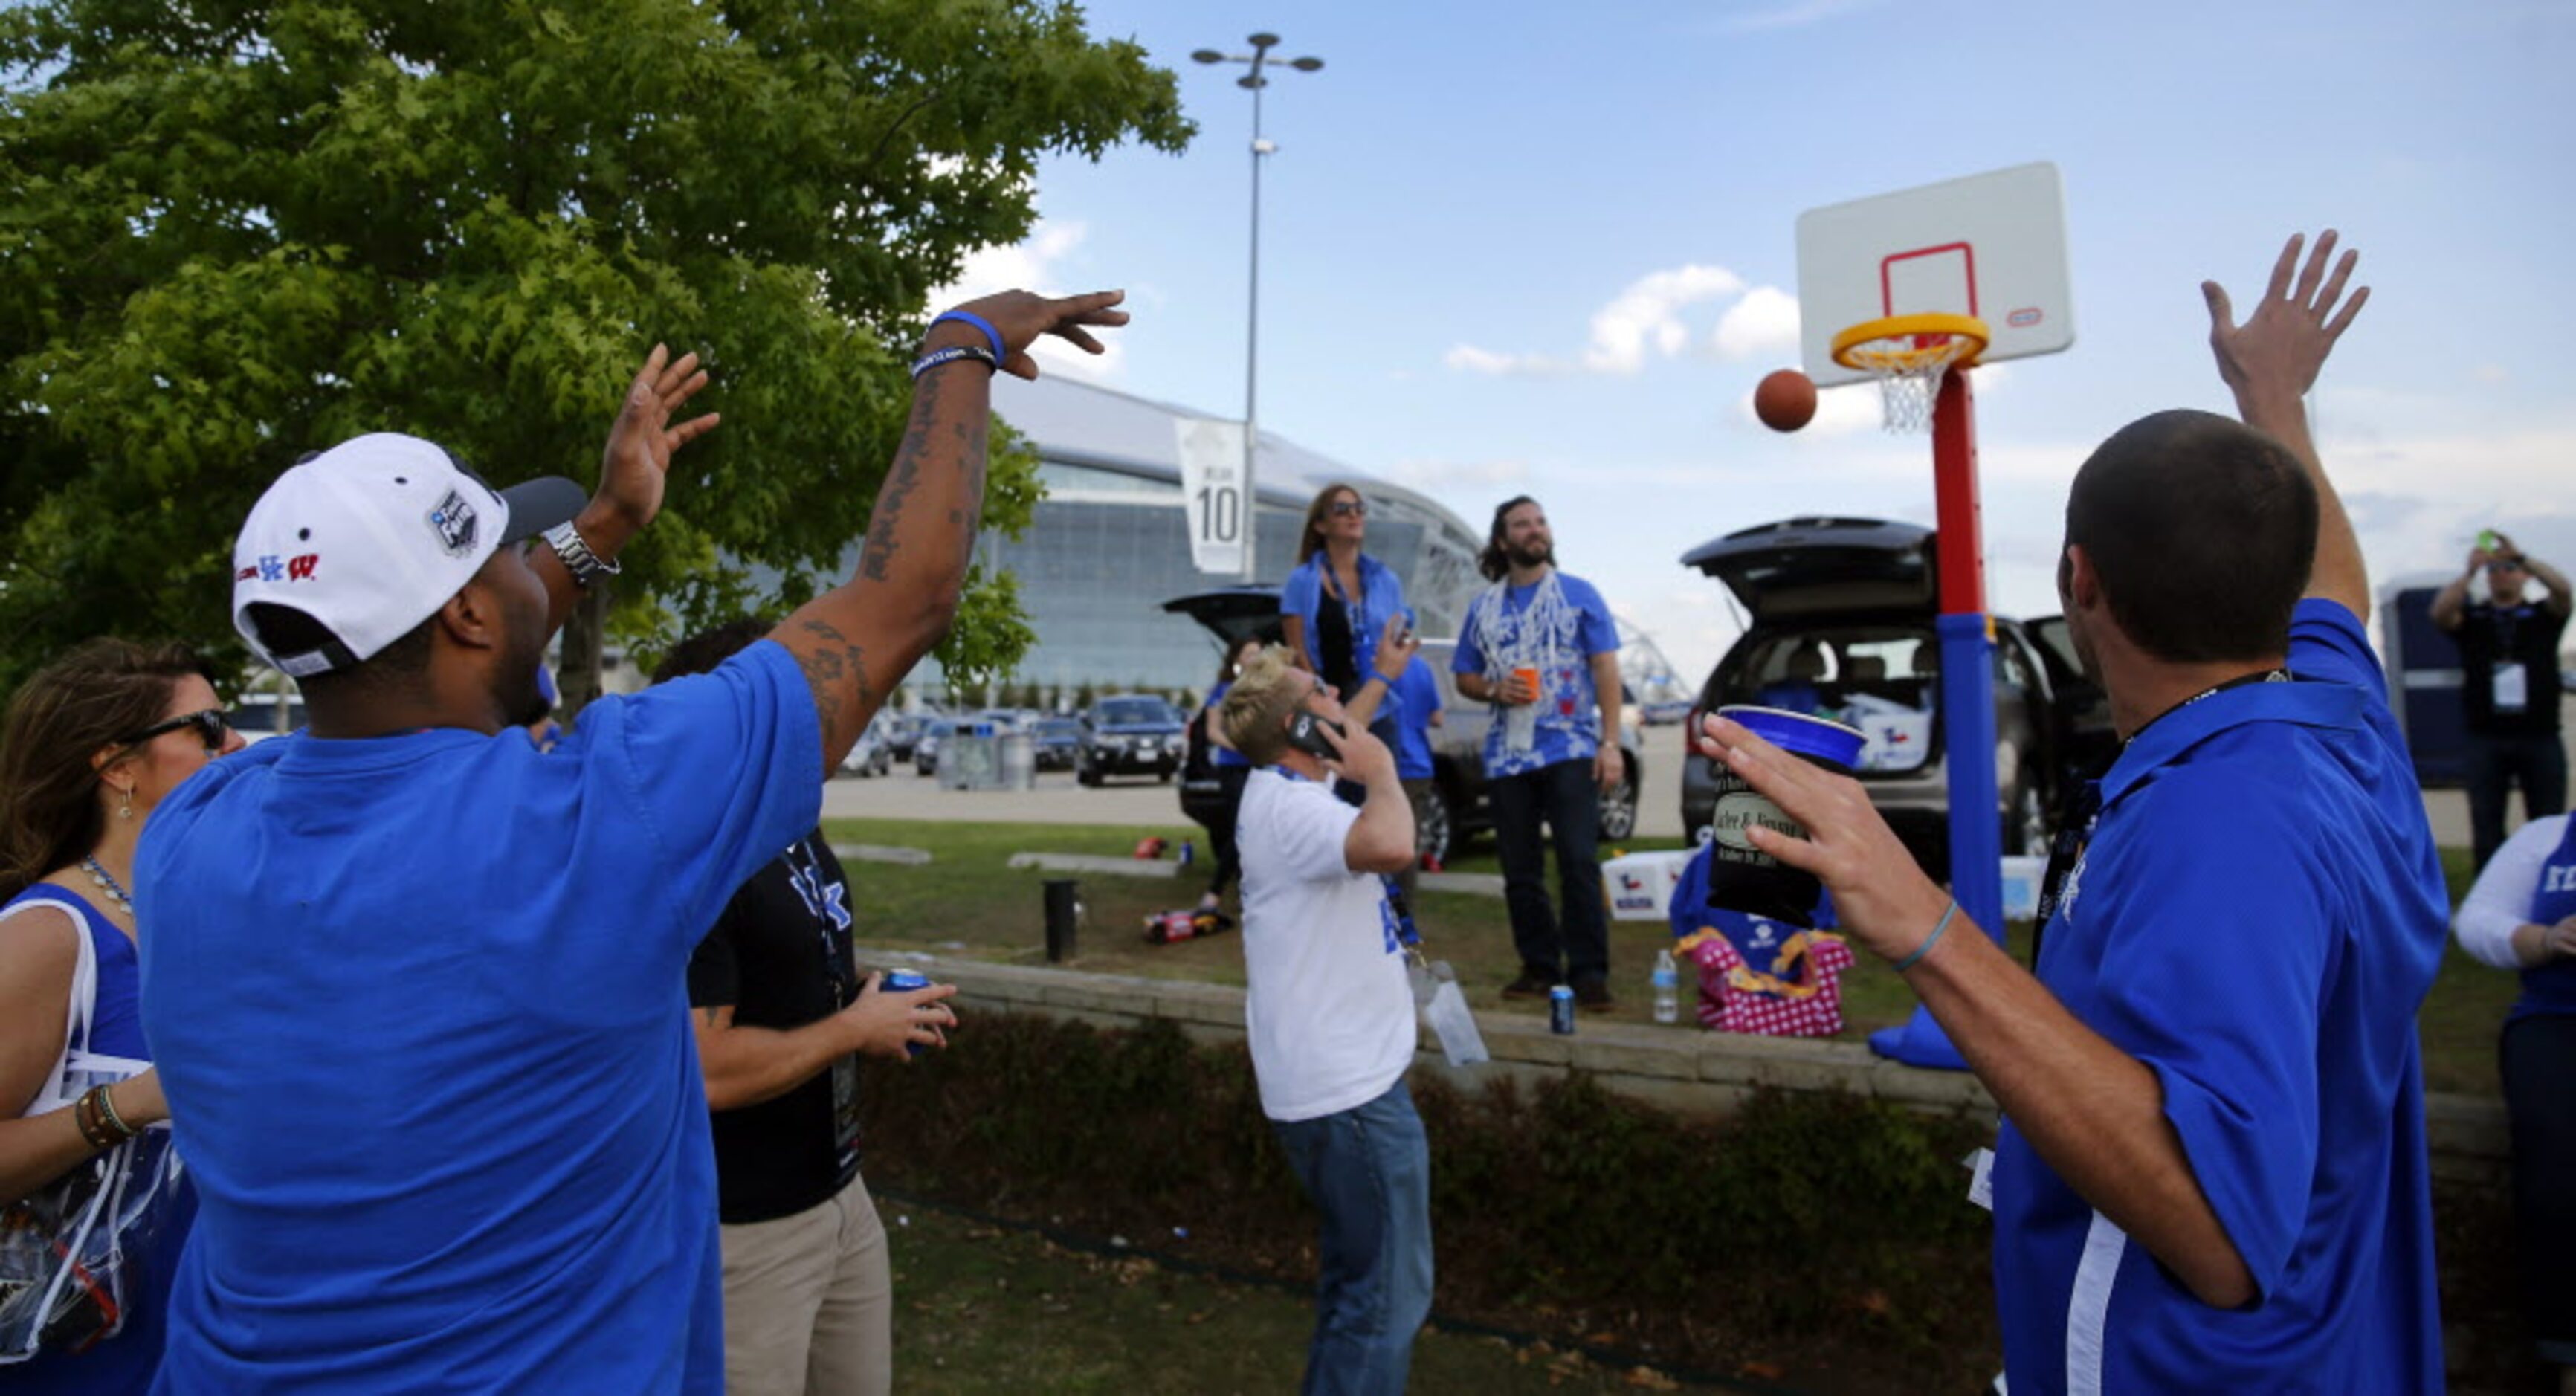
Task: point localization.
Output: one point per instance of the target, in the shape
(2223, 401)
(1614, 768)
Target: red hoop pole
(1954, 497)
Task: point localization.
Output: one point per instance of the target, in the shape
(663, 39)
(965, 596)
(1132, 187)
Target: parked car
(1129, 734)
(1842, 624)
(870, 756)
(260, 716)
(902, 731)
(1460, 806)
(1058, 740)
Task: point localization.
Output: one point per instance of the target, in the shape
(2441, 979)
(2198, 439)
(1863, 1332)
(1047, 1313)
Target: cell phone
(1304, 735)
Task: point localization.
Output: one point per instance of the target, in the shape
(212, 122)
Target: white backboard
(1989, 245)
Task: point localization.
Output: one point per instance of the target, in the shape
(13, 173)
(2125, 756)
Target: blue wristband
(1929, 941)
(1382, 678)
(991, 336)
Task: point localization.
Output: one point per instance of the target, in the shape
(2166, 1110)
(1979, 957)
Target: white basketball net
(1909, 369)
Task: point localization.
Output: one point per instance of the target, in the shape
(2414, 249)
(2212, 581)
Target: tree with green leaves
(236, 231)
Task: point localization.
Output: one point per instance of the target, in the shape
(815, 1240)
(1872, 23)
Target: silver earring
(125, 804)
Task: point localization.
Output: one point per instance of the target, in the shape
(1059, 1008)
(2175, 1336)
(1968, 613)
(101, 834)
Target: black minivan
(1841, 623)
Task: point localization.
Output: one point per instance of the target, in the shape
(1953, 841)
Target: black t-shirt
(2525, 636)
(781, 955)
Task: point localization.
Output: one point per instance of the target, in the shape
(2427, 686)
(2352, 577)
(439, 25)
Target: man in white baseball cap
(418, 988)
(369, 538)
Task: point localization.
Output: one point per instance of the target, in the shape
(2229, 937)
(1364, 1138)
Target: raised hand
(637, 460)
(2282, 345)
(1020, 317)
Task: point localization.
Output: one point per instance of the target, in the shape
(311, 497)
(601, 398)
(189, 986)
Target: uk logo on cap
(454, 520)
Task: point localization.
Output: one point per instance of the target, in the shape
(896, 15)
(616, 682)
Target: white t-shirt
(1328, 1008)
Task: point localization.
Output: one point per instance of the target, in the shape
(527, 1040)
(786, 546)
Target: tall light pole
(1258, 59)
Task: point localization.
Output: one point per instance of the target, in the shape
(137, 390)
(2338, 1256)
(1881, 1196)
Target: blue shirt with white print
(1498, 636)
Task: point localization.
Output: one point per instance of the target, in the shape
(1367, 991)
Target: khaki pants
(809, 1302)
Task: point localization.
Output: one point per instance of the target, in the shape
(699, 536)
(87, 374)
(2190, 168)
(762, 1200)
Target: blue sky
(1605, 186)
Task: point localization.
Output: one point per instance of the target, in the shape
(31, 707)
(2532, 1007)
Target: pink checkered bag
(1795, 992)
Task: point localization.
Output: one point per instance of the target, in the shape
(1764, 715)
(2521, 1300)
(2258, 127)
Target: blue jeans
(1567, 797)
(1368, 1170)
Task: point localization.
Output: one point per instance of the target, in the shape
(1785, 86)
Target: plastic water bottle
(1668, 1007)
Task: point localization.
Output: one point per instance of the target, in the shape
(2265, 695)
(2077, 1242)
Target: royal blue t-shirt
(1500, 637)
(1381, 598)
(2257, 918)
(420, 1008)
(1416, 701)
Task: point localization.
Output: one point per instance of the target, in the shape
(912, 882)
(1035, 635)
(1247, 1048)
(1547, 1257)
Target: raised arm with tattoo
(857, 641)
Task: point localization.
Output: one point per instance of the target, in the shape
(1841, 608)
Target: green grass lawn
(990, 1309)
(968, 902)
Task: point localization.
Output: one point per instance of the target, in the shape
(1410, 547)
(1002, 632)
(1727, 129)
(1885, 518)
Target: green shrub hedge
(1823, 1240)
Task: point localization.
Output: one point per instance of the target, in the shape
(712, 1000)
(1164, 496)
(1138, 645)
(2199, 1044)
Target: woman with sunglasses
(1335, 606)
(89, 745)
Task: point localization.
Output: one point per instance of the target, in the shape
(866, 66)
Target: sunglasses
(209, 723)
(1345, 508)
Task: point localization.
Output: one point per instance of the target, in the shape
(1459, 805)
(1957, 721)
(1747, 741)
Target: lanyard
(2067, 849)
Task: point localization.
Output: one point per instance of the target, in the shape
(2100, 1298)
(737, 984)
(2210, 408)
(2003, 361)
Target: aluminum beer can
(899, 981)
(1560, 1011)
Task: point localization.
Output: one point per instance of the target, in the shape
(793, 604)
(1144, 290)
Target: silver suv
(1841, 624)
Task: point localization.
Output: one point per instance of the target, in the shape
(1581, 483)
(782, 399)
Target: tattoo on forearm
(835, 670)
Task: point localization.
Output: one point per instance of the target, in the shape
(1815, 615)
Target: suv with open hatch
(1841, 625)
(1460, 803)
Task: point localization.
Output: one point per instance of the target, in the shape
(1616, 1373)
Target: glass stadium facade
(1110, 542)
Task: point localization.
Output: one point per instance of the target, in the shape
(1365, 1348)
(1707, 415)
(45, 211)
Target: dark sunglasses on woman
(209, 724)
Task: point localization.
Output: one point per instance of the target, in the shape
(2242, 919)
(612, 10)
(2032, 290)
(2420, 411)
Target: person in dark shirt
(2509, 685)
(781, 1017)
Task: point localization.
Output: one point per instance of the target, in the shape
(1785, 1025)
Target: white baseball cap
(371, 537)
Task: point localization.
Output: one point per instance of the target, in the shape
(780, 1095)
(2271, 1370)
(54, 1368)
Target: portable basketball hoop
(1908, 355)
(1930, 280)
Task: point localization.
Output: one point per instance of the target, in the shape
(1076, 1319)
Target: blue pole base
(1920, 1042)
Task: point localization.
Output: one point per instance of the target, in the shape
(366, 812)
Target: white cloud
(1642, 321)
(1764, 322)
(2492, 373)
(1043, 263)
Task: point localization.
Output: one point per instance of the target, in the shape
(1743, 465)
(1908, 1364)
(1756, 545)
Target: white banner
(1212, 492)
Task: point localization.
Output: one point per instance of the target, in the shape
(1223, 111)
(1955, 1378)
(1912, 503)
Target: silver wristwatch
(577, 557)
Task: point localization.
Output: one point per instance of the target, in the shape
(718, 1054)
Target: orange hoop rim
(1951, 330)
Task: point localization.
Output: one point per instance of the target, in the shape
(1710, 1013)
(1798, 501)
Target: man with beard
(2212, 1172)
(418, 989)
(1541, 646)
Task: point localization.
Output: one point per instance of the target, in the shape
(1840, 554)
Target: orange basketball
(1786, 400)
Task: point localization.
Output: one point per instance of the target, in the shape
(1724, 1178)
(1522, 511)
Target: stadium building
(1110, 541)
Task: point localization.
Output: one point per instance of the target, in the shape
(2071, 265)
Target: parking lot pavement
(1057, 800)
(900, 794)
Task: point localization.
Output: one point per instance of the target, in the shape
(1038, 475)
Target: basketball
(1786, 400)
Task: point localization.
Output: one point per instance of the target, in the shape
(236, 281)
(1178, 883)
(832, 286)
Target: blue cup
(1740, 876)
